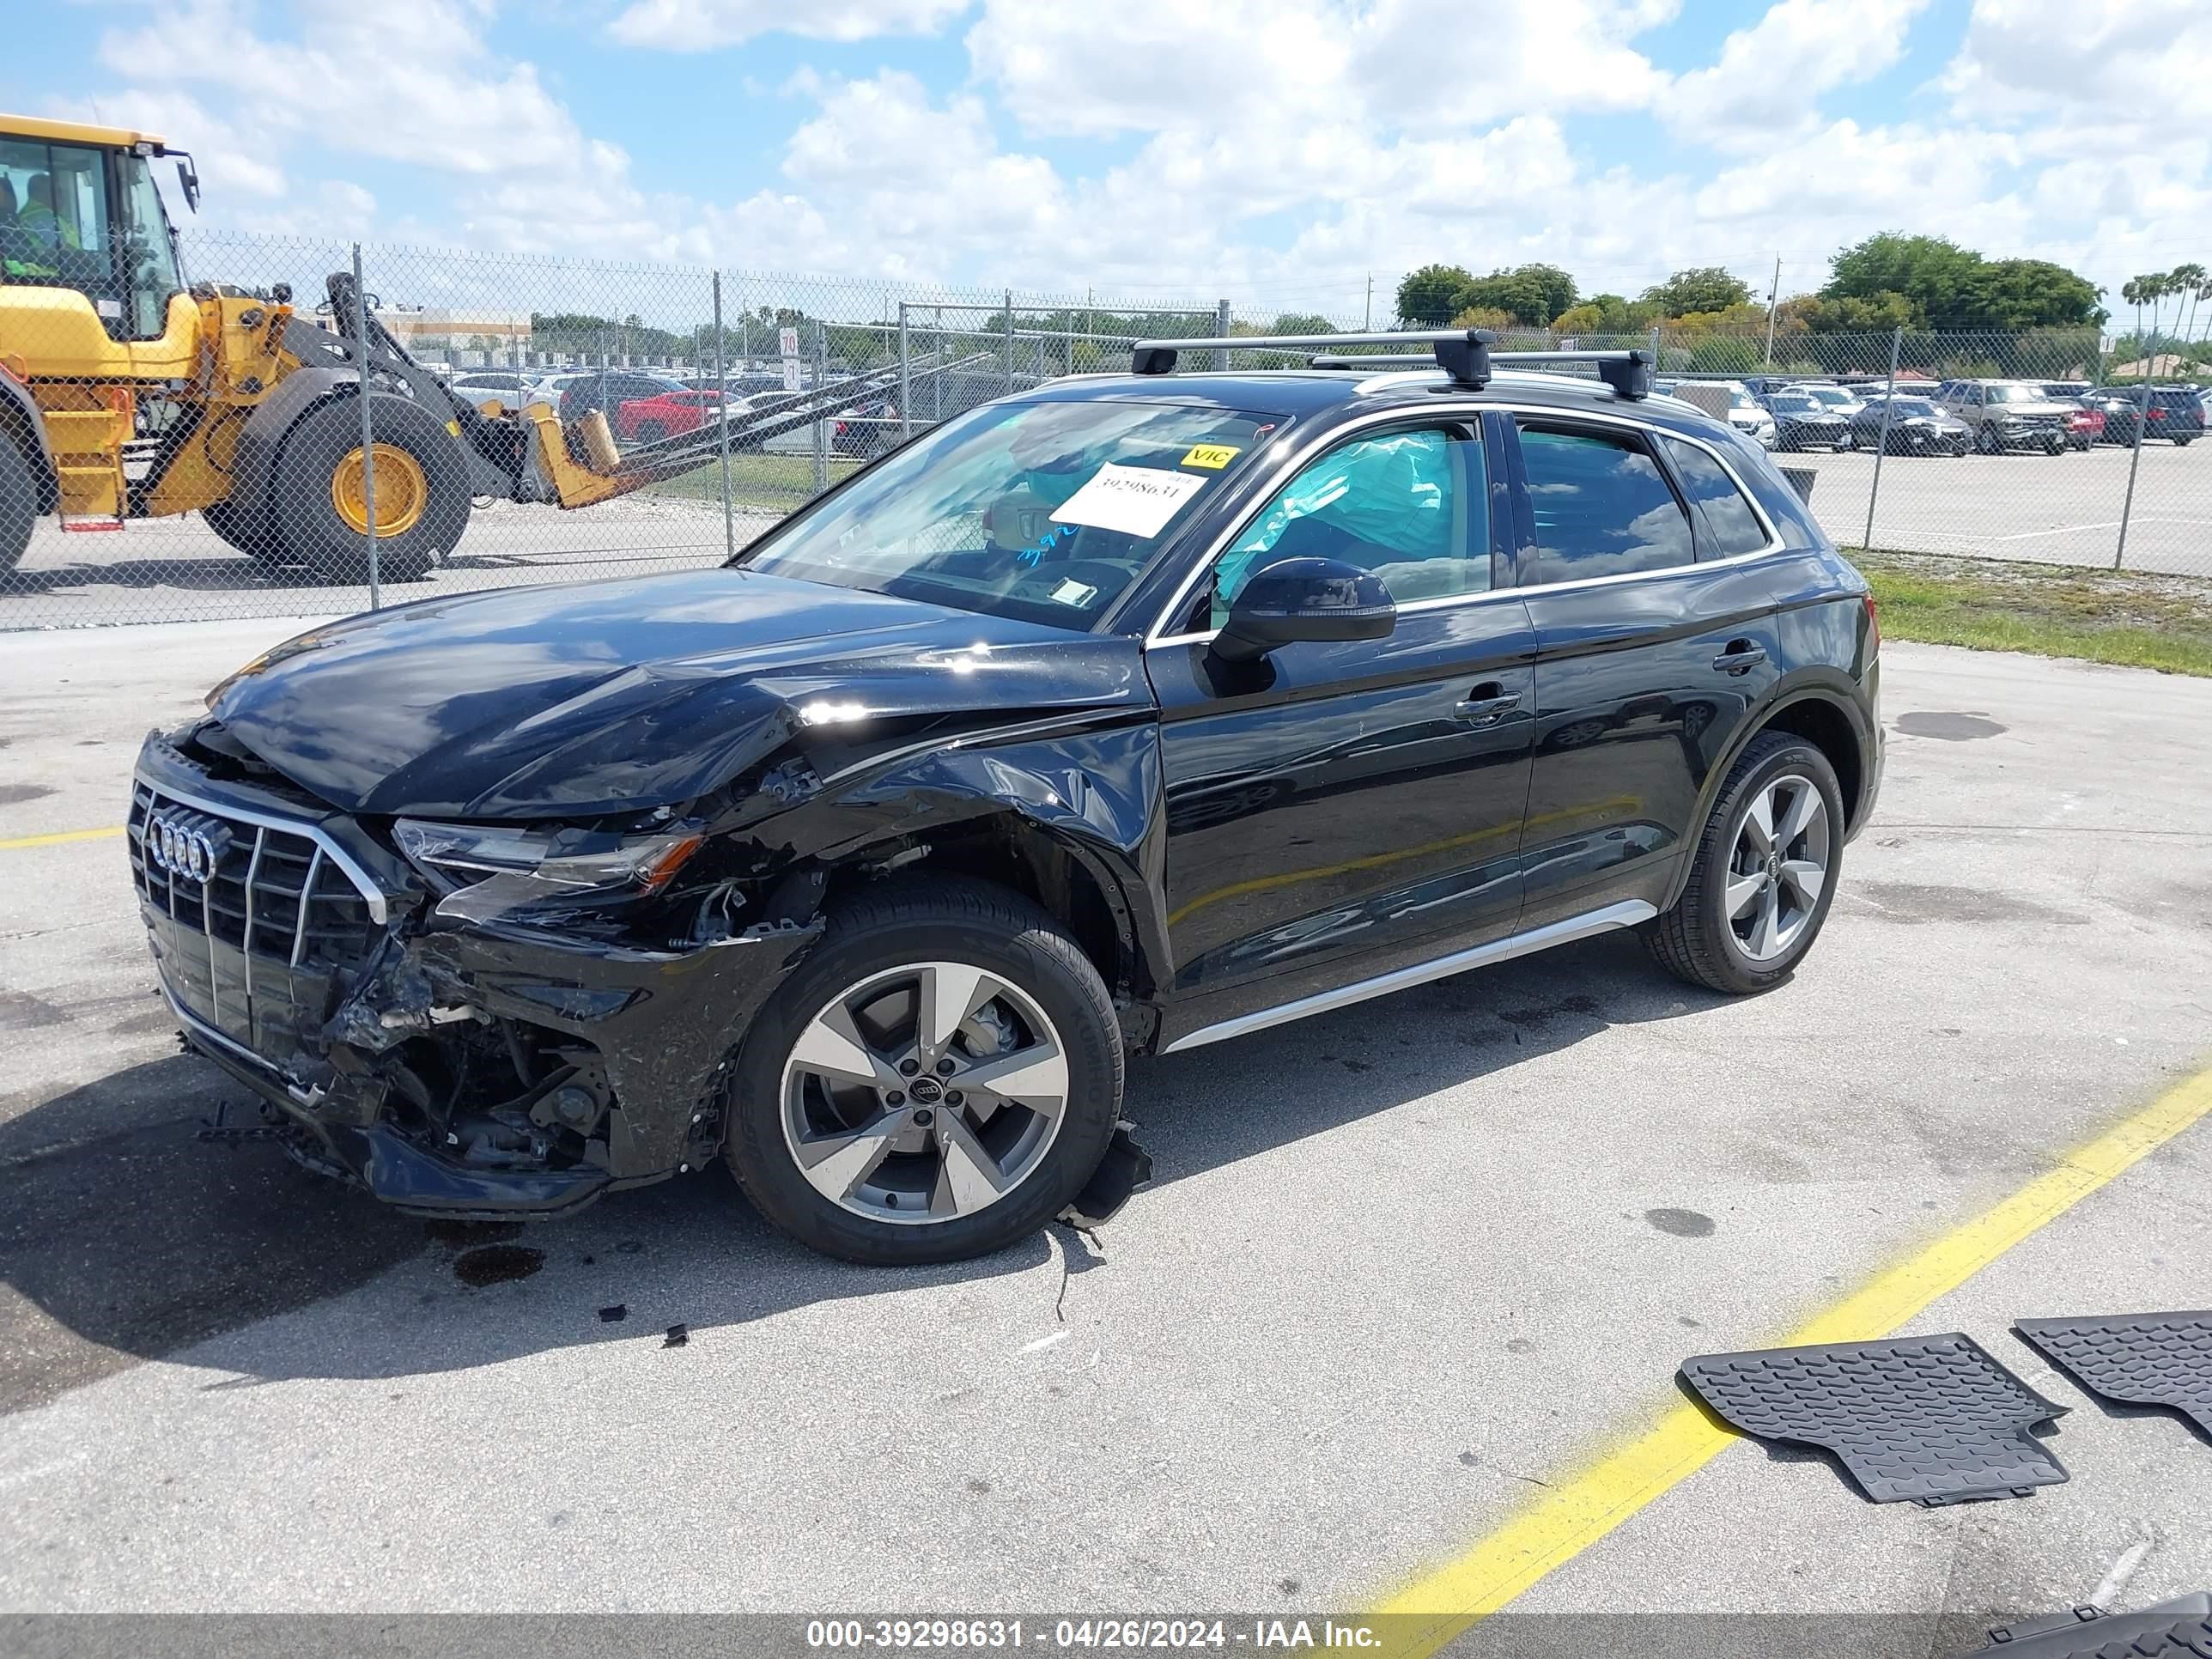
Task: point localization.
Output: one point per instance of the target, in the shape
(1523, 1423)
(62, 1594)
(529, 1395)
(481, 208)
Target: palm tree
(2189, 282)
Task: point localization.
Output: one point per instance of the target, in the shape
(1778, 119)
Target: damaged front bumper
(462, 1071)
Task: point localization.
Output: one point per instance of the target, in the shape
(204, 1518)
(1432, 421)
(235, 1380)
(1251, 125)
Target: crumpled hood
(606, 697)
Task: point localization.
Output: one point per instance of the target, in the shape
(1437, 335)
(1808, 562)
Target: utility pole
(1368, 326)
(1773, 292)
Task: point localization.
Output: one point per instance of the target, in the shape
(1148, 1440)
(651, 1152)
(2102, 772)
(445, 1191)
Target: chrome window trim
(378, 906)
(1444, 412)
(1626, 914)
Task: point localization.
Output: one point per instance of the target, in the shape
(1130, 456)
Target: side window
(1411, 507)
(1731, 527)
(1602, 508)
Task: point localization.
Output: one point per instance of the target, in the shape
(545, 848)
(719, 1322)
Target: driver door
(1335, 810)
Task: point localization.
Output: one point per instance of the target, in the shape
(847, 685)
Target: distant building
(2166, 366)
(436, 329)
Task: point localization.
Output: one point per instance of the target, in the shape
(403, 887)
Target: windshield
(1905, 408)
(1794, 402)
(1834, 396)
(2018, 394)
(1045, 511)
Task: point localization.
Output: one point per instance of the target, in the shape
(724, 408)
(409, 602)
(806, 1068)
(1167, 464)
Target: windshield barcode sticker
(1137, 501)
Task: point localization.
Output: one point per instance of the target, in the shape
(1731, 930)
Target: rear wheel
(1985, 440)
(19, 502)
(938, 1078)
(321, 489)
(1766, 871)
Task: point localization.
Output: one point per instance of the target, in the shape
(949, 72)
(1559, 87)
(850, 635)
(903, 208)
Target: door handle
(1487, 705)
(1741, 657)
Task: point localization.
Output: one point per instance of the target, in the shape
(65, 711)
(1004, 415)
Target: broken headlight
(487, 871)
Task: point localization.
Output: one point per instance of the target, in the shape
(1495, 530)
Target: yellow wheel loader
(126, 393)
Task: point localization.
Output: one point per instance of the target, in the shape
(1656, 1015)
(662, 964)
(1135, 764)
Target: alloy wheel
(924, 1093)
(1779, 867)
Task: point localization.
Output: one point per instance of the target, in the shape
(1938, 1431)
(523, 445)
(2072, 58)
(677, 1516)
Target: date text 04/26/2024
(1088, 1634)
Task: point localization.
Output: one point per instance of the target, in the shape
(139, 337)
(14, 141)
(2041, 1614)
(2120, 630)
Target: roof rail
(1462, 353)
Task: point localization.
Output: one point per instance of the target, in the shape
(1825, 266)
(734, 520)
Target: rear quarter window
(1731, 526)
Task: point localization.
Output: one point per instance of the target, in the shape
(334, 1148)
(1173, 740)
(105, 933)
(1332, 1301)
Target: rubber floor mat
(2180, 1629)
(1934, 1419)
(2139, 1359)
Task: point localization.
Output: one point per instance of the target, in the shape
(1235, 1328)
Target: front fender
(1095, 791)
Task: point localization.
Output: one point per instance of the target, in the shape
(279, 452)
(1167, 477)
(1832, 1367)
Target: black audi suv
(1123, 715)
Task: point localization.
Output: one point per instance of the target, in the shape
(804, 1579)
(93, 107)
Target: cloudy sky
(1277, 150)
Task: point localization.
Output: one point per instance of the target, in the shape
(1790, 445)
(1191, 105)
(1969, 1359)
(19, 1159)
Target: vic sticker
(1136, 500)
(1212, 456)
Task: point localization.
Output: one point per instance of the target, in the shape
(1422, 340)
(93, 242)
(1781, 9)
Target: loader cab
(79, 210)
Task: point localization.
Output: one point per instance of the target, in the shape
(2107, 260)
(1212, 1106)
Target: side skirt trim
(1627, 914)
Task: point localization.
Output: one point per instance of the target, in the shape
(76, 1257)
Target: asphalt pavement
(1402, 1268)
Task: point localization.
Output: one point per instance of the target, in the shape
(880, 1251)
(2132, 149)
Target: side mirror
(1294, 600)
(188, 180)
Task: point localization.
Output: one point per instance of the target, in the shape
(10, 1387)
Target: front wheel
(940, 1079)
(1764, 872)
(1985, 440)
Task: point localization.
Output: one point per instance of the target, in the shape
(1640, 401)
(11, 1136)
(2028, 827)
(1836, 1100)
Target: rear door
(1655, 635)
(1334, 811)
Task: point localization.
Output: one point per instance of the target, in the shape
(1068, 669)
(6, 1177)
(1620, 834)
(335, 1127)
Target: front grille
(253, 917)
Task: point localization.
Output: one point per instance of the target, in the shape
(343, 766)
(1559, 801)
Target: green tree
(2021, 294)
(1701, 288)
(1489, 317)
(1302, 322)
(1950, 287)
(1928, 270)
(1534, 293)
(1876, 313)
(1430, 294)
(1725, 353)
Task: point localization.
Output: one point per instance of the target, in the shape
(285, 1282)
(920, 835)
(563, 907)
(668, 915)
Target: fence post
(1882, 443)
(1221, 325)
(820, 411)
(2135, 456)
(1654, 349)
(722, 418)
(1010, 339)
(368, 428)
(906, 377)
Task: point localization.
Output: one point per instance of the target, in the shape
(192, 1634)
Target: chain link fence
(186, 438)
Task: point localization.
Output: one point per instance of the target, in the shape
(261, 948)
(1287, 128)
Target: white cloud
(704, 25)
(2029, 62)
(1768, 77)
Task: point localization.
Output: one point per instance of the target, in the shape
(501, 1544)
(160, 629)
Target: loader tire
(19, 500)
(422, 487)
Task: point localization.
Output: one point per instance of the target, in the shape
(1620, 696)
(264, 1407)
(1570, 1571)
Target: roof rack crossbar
(1464, 355)
(1461, 353)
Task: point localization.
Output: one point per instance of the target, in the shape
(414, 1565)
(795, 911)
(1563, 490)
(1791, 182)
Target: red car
(2084, 426)
(648, 420)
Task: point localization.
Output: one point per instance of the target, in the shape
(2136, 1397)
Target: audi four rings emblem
(185, 847)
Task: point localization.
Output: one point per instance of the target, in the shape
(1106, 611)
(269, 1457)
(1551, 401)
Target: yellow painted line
(1431, 1612)
(60, 837)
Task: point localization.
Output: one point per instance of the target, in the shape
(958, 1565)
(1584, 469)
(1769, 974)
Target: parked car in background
(1918, 426)
(867, 429)
(610, 389)
(509, 387)
(2085, 424)
(1843, 400)
(1803, 421)
(2002, 415)
(2063, 389)
(663, 414)
(2176, 413)
(1749, 416)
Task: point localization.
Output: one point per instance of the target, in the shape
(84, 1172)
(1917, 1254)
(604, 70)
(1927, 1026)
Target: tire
(1049, 996)
(1697, 940)
(2183, 443)
(19, 502)
(307, 480)
(2054, 445)
(1985, 440)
